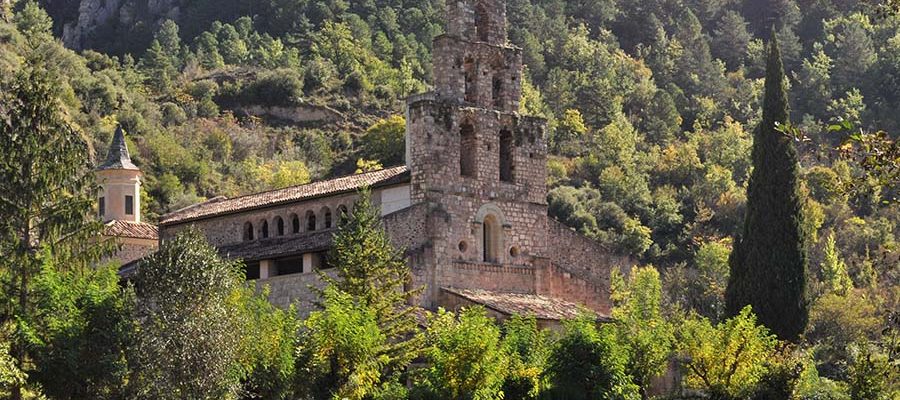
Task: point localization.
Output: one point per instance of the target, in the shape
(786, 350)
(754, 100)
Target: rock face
(120, 15)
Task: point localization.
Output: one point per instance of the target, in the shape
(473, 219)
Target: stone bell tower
(478, 165)
(121, 183)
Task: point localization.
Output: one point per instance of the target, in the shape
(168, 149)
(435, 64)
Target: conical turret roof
(118, 157)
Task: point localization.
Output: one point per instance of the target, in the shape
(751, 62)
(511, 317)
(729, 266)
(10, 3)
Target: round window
(463, 246)
(514, 251)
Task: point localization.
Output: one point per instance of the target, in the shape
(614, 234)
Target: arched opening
(470, 69)
(295, 224)
(482, 23)
(343, 215)
(279, 226)
(264, 230)
(326, 216)
(468, 149)
(310, 221)
(248, 231)
(507, 156)
(491, 237)
(497, 91)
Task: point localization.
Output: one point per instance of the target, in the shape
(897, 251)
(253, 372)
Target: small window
(129, 205)
(468, 150)
(310, 221)
(295, 224)
(264, 230)
(497, 92)
(343, 214)
(248, 232)
(102, 206)
(507, 157)
(482, 23)
(470, 72)
(279, 226)
(326, 214)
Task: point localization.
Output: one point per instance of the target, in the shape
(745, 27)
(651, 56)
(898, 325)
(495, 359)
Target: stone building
(469, 207)
(120, 204)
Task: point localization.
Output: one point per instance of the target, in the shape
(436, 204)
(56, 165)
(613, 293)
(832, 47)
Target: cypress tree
(769, 261)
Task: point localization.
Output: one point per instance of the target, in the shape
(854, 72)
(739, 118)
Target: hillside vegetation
(652, 107)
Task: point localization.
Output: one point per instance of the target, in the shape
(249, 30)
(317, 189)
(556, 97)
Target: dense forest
(652, 107)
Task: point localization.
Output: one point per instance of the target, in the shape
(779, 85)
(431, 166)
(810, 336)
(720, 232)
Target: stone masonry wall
(493, 73)
(435, 149)
(483, 20)
(581, 258)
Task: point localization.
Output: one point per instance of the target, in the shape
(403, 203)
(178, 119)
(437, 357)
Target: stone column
(266, 269)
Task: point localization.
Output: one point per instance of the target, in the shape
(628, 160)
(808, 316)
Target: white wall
(394, 199)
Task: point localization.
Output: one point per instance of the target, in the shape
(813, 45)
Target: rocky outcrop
(124, 14)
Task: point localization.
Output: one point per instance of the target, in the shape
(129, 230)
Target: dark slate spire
(118, 157)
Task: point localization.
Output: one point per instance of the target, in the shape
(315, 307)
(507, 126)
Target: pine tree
(158, 67)
(834, 270)
(375, 274)
(769, 262)
(47, 185)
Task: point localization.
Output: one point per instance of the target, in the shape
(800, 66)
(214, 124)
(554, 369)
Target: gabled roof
(128, 229)
(222, 206)
(537, 306)
(118, 157)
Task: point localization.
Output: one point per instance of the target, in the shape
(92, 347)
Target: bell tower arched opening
(482, 23)
(468, 150)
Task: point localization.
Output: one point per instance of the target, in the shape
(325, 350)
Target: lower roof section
(533, 305)
(128, 229)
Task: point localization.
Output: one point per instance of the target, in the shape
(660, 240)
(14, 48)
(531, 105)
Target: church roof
(118, 157)
(128, 229)
(220, 205)
(540, 307)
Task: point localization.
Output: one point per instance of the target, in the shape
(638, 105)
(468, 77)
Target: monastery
(469, 208)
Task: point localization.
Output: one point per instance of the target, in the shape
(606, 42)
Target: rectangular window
(251, 270)
(289, 266)
(129, 205)
(102, 206)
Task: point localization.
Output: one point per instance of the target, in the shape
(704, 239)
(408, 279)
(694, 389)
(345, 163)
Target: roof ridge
(302, 185)
(284, 195)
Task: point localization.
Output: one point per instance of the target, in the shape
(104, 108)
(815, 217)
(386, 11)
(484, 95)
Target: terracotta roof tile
(221, 205)
(129, 229)
(540, 307)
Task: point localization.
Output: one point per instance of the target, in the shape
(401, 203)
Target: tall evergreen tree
(769, 261)
(375, 274)
(47, 192)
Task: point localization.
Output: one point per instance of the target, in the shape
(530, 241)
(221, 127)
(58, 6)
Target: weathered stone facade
(469, 208)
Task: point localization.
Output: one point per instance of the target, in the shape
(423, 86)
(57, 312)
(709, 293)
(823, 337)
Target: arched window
(343, 214)
(497, 91)
(295, 224)
(491, 240)
(264, 230)
(310, 221)
(482, 23)
(279, 226)
(507, 156)
(468, 149)
(326, 216)
(248, 232)
(470, 70)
